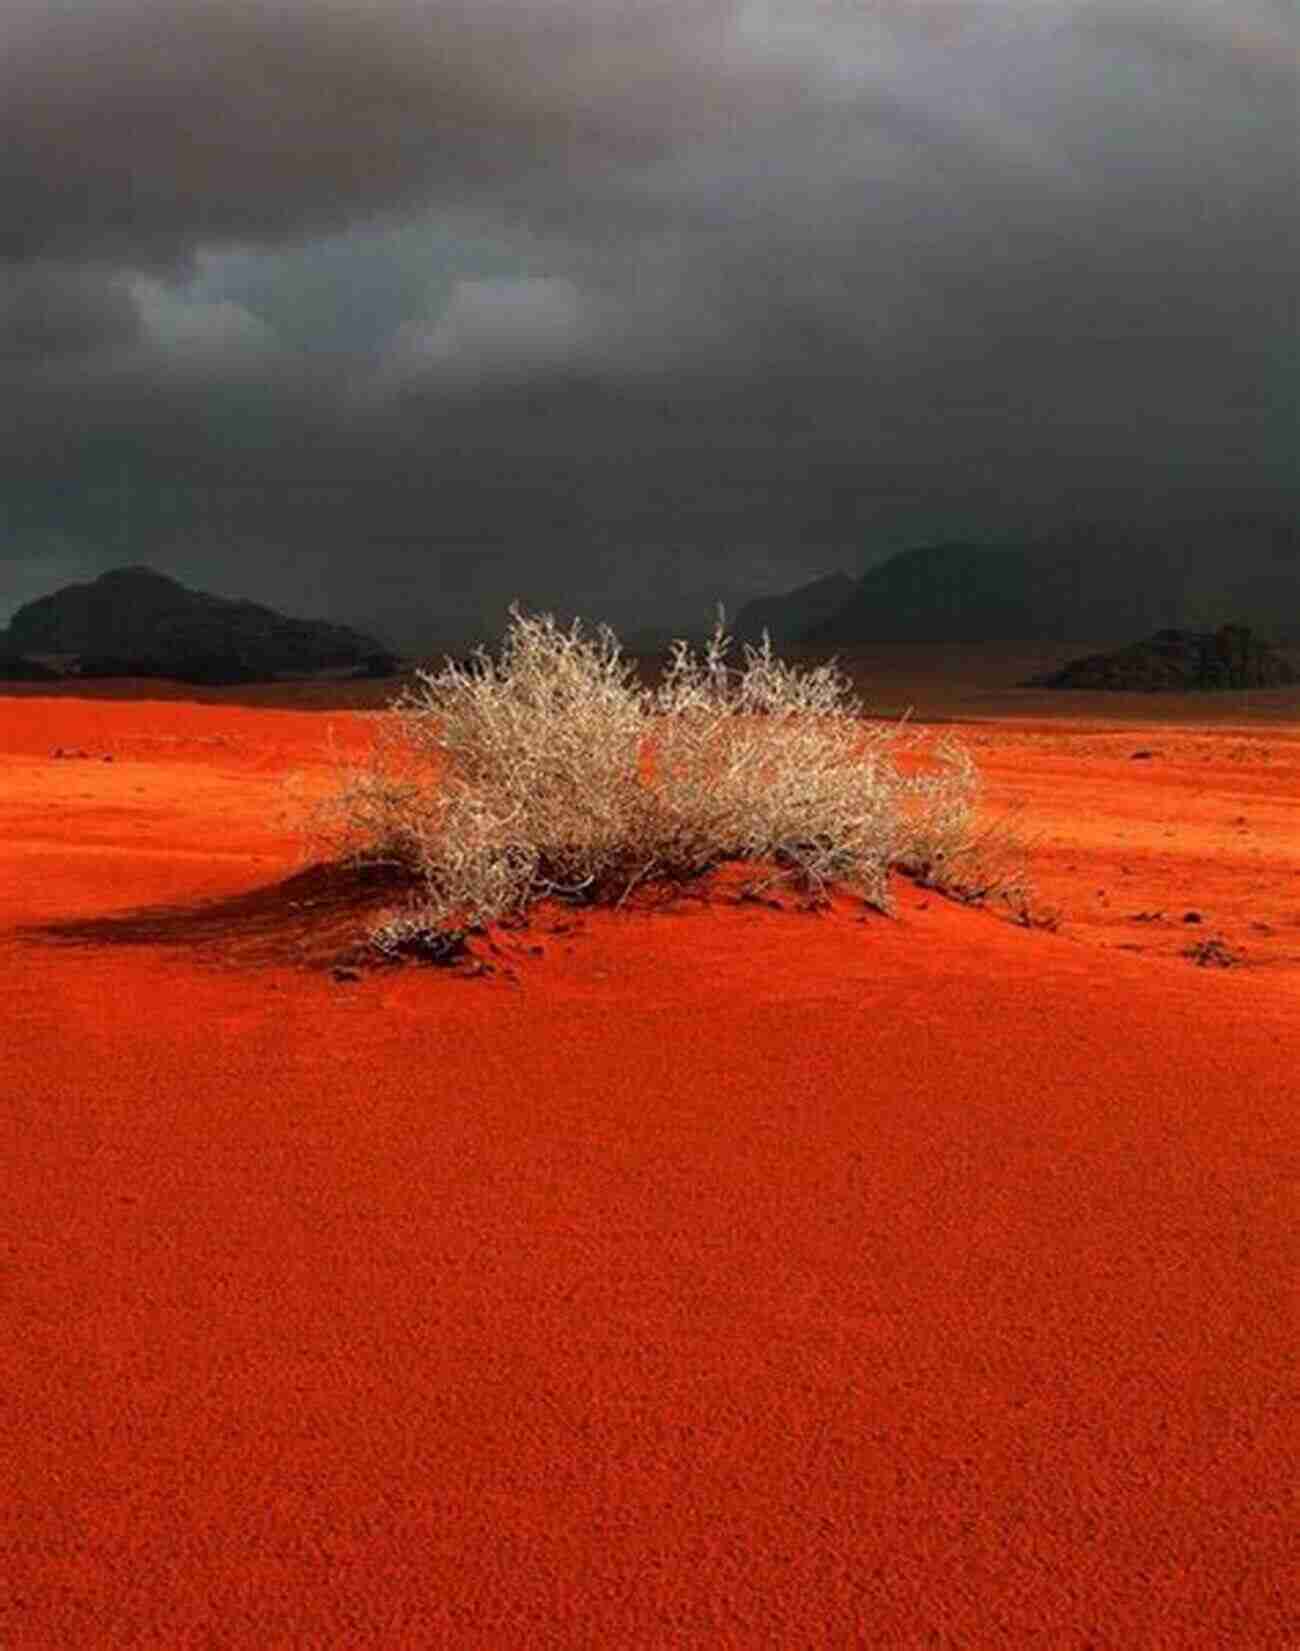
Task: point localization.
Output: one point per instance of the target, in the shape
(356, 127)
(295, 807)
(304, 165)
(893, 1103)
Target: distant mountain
(14, 668)
(136, 622)
(973, 593)
(787, 618)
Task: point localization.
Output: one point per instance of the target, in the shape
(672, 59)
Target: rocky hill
(136, 622)
(787, 618)
(988, 593)
(1172, 660)
(1093, 585)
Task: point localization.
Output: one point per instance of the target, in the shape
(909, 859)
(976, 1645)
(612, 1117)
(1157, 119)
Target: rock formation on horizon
(788, 617)
(133, 621)
(1088, 587)
(958, 592)
(1232, 657)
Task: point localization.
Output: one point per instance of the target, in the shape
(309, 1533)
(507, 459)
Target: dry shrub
(544, 772)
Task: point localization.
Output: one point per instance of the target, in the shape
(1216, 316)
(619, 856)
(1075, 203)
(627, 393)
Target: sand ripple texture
(705, 1275)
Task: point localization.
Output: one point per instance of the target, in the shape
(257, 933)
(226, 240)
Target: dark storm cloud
(51, 316)
(638, 302)
(142, 128)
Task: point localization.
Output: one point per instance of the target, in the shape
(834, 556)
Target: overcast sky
(405, 308)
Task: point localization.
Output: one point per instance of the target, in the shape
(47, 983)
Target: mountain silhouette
(134, 621)
(786, 618)
(961, 592)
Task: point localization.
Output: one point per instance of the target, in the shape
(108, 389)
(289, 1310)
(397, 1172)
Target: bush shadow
(315, 918)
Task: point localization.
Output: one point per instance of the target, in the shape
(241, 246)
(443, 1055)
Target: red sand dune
(708, 1275)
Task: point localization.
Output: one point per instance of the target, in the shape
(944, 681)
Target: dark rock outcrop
(1232, 657)
(136, 622)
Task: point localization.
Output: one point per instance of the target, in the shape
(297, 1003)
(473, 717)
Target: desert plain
(699, 1274)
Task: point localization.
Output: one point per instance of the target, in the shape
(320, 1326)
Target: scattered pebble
(1212, 953)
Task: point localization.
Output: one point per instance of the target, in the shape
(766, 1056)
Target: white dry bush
(545, 772)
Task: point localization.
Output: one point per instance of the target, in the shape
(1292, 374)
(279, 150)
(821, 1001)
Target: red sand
(720, 1277)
